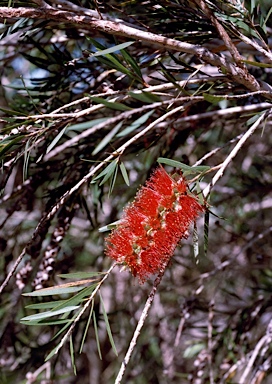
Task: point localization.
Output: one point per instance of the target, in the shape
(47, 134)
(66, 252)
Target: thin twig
(266, 339)
(233, 153)
(215, 150)
(224, 112)
(254, 44)
(112, 120)
(210, 343)
(86, 305)
(139, 326)
(223, 34)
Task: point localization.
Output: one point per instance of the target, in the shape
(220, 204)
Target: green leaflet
(187, 170)
(106, 140)
(45, 315)
(112, 49)
(110, 104)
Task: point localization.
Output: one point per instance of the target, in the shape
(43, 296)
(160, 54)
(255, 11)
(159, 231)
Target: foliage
(93, 95)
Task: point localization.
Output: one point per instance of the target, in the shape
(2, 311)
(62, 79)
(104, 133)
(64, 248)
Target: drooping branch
(238, 74)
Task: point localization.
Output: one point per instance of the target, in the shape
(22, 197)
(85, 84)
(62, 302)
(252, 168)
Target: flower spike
(152, 226)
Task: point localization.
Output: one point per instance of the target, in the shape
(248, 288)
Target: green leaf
(257, 64)
(76, 299)
(87, 327)
(193, 350)
(7, 143)
(45, 315)
(50, 304)
(53, 291)
(144, 96)
(255, 117)
(72, 354)
(195, 244)
(112, 49)
(267, 18)
(214, 99)
(173, 163)
(85, 125)
(107, 172)
(56, 140)
(80, 275)
(184, 167)
(12, 113)
(113, 179)
(136, 124)
(67, 323)
(132, 63)
(107, 325)
(206, 232)
(43, 322)
(124, 173)
(26, 159)
(110, 104)
(105, 141)
(111, 60)
(52, 353)
(110, 226)
(97, 336)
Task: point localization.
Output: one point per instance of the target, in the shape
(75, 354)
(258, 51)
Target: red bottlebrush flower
(153, 225)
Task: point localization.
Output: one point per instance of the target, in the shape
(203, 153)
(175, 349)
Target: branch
(86, 305)
(66, 195)
(237, 74)
(139, 326)
(233, 153)
(265, 340)
(223, 34)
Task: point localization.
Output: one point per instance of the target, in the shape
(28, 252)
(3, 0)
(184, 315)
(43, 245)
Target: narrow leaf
(56, 140)
(112, 49)
(72, 354)
(107, 172)
(214, 99)
(67, 324)
(105, 141)
(124, 173)
(206, 232)
(87, 327)
(44, 315)
(107, 325)
(184, 167)
(112, 182)
(80, 275)
(195, 244)
(48, 305)
(26, 159)
(97, 336)
(12, 113)
(193, 350)
(76, 299)
(58, 290)
(85, 125)
(133, 64)
(52, 353)
(257, 64)
(48, 322)
(110, 226)
(145, 97)
(136, 124)
(110, 104)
